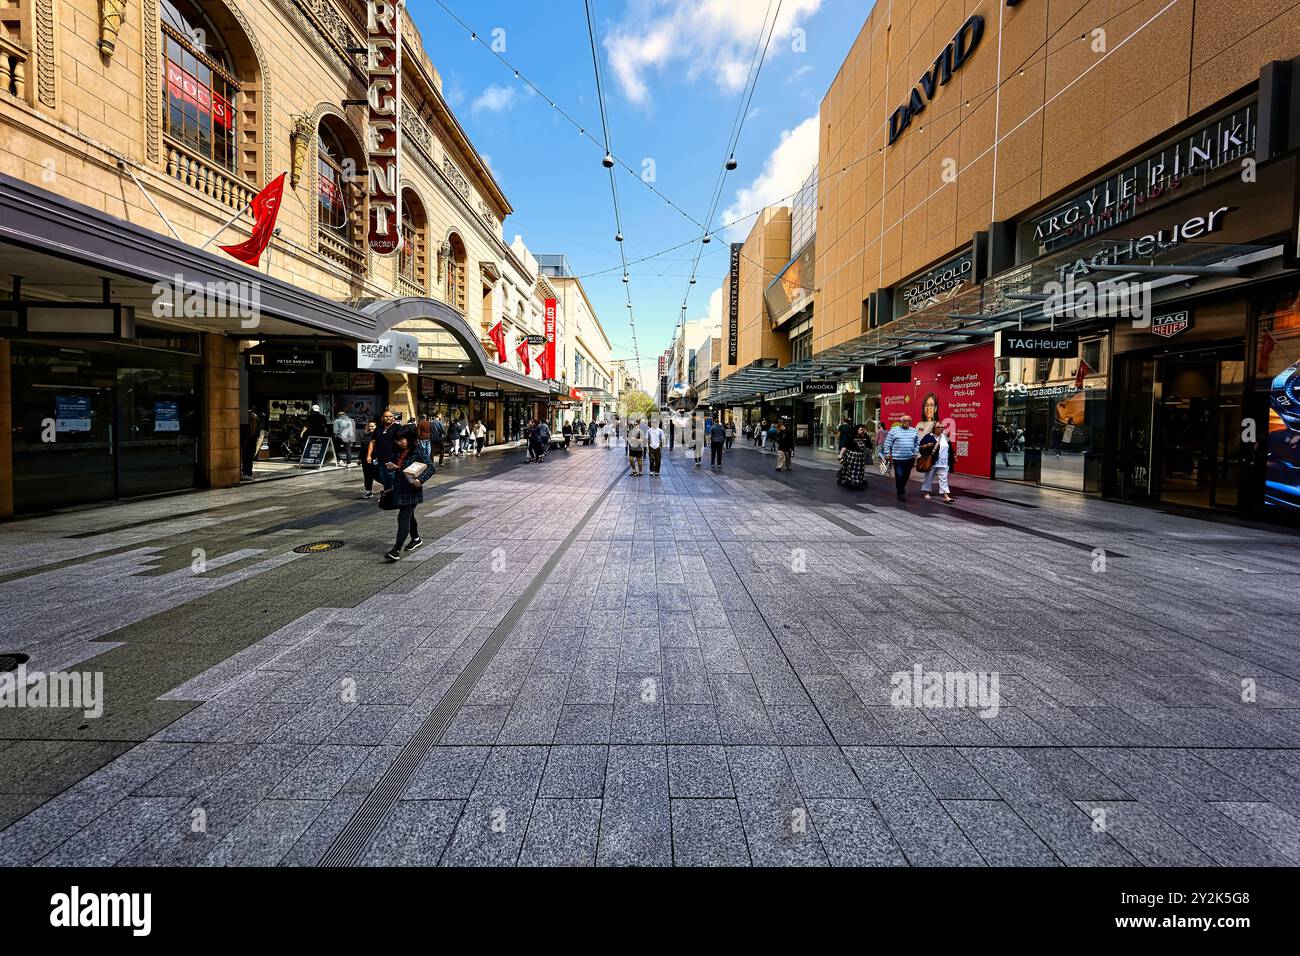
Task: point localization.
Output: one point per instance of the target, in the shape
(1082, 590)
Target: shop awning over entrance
(387, 313)
(1033, 296)
(64, 251)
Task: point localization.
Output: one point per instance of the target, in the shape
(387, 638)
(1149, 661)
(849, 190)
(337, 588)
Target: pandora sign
(383, 136)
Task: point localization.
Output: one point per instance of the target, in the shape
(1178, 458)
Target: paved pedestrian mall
(582, 667)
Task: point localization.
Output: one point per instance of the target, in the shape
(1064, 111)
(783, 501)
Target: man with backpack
(542, 437)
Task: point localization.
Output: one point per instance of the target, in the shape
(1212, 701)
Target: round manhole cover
(316, 547)
(11, 662)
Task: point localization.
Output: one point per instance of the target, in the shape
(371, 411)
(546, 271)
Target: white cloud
(714, 37)
(782, 175)
(802, 71)
(495, 99)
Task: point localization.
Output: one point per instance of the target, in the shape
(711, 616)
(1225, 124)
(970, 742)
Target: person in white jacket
(345, 435)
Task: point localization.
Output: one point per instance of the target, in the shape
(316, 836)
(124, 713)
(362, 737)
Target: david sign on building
(383, 128)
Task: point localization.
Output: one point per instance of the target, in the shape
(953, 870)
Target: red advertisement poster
(956, 388)
(550, 338)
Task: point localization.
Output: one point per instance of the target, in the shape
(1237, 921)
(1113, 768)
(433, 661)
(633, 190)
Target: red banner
(522, 351)
(543, 367)
(266, 206)
(955, 389)
(549, 329)
(498, 336)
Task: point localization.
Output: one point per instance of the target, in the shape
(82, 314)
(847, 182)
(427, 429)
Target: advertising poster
(957, 387)
(1278, 368)
(72, 413)
(166, 417)
(361, 408)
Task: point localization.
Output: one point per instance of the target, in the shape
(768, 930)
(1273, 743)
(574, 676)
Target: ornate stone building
(131, 132)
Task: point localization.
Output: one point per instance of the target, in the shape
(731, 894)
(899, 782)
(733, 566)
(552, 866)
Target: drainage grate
(11, 662)
(316, 547)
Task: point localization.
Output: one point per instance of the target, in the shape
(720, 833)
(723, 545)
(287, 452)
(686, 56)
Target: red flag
(1084, 369)
(498, 336)
(522, 351)
(542, 365)
(266, 206)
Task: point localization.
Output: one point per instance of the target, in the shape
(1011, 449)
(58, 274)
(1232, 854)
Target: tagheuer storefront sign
(1154, 178)
(1039, 344)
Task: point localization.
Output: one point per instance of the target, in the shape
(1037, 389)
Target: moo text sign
(948, 62)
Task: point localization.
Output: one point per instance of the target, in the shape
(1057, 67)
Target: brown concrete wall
(886, 211)
(219, 460)
(765, 251)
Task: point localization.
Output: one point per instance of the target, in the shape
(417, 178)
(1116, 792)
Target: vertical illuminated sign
(549, 352)
(383, 126)
(733, 305)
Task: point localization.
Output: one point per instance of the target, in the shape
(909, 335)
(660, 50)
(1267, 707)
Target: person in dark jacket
(784, 447)
(406, 490)
(384, 436)
(848, 431)
(567, 431)
(369, 468)
(717, 442)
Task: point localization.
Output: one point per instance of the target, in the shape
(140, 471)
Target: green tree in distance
(638, 404)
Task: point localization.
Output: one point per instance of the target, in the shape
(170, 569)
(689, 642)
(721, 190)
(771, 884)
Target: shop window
(801, 346)
(1277, 383)
(200, 85)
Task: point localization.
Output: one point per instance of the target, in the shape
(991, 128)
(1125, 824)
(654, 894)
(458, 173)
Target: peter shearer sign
(383, 127)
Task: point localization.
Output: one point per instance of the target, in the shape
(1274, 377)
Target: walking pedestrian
(696, 440)
(901, 446)
(438, 439)
(345, 434)
(853, 460)
(847, 432)
(369, 470)
(655, 439)
(567, 431)
(385, 434)
(424, 435)
(252, 442)
(404, 489)
(942, 452)
(730, 433)
(784, 447)
(541, 440)
(718, 441)
(762, 434)
(316, 426)
(530, 433)
(480, 437)
(635, 451)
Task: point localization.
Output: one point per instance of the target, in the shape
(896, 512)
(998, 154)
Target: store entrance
(1180, 429)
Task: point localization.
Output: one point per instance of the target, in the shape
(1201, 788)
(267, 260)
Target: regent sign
(383, 126)
(956, 53)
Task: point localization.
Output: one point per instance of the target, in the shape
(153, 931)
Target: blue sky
(674, 72)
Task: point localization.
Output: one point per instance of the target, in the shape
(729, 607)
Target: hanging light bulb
(692, 280)
(624, 276)
(731, 162)
(706, 239)
(608, 161)
(618, 237)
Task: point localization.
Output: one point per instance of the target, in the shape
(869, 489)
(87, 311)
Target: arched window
(455, 278)
(335, 174)
(413, 258)
(339, 201)
(202, 86)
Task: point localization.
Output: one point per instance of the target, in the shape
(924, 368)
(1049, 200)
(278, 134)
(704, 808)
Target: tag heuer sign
(1168, 325)
(1038, 344)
